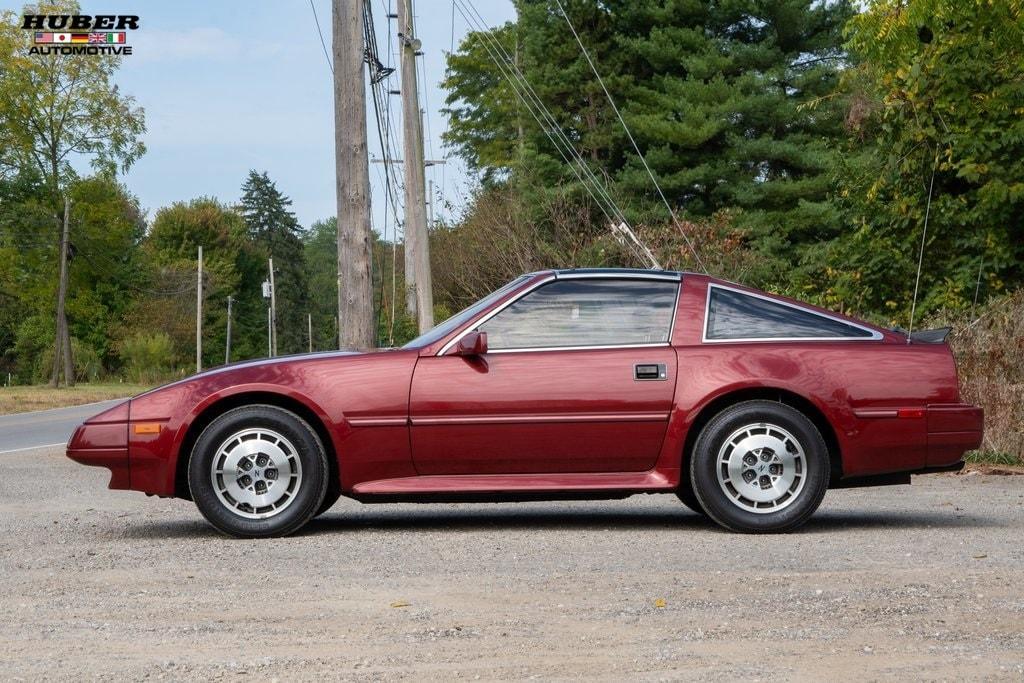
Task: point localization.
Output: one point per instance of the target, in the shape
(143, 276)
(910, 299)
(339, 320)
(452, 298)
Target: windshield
(440, 331)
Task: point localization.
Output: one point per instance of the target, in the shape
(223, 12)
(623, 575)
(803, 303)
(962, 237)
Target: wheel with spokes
(258, 471)
(760, 466)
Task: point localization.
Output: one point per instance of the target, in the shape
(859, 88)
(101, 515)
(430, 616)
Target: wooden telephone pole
(62, 342)
(199, 312)
(419, 299)
(355, 289)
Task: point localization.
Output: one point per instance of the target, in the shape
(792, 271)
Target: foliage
(320, 253)
(989, 347)
(52, 109)
(937, 88)
(713, 93)
(148, 358)
(232, 266)
(273, 229)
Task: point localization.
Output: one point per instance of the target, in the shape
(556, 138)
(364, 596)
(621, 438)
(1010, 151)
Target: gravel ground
(921, 582)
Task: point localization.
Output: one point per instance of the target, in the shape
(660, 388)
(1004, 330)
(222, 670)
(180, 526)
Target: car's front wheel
(258, 471)
(760, 466)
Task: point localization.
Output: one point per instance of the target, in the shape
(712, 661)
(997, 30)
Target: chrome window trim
(875, 334)
(487, 316)
(602, 347)
(665, 277)
(580, 276)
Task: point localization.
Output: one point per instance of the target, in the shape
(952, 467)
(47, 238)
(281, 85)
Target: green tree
(106, 226)
(273, 228)
(231, 266)
(713, 93)
(320, 254)
(938, 89)
(56, 109)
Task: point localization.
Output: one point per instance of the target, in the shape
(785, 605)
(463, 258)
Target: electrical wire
(327, 56)
(924, 235)
(559, 140)
(524, 91)
(629, 134)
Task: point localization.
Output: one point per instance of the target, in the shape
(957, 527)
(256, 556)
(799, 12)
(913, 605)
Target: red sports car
(593, 383)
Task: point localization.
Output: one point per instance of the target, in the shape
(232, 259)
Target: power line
(524, 91)
(327, 56)
(630, 135)
(528, 96)
(532, 101)
(924, 235)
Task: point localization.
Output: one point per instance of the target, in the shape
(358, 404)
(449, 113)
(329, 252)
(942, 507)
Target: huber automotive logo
(80, 34)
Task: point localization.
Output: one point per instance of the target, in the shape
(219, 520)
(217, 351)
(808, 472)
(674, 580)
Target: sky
(229, 86)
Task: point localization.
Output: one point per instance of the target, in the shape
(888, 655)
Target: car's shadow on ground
(426, 518)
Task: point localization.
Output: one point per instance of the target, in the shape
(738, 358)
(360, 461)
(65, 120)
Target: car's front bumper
(102, 441)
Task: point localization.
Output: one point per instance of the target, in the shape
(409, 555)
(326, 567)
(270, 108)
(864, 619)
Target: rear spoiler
(936, 336)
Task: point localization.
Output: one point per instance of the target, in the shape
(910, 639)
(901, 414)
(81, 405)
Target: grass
(994, 458)
(21, 399)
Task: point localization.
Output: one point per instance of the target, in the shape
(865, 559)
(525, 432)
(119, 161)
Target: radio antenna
(924, 234)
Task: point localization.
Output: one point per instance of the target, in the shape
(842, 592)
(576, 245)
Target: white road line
(33, 448)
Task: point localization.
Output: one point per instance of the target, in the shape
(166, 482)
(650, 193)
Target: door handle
(650, 371)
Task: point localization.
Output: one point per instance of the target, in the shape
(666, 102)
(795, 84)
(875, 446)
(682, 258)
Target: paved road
(23, 431)
(895, 583)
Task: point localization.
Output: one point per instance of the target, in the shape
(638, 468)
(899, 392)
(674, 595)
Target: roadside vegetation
(989, 347)
(803, 145)
(22, 399)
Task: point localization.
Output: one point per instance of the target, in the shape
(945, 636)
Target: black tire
(303, 452)
(333, 494)
(689, 499)
(754, 431)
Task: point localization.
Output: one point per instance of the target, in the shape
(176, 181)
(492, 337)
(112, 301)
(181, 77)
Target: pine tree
(274, 229)
(718, 94)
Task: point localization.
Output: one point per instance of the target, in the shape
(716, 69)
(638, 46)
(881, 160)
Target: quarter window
(569, 313)
(734, 315)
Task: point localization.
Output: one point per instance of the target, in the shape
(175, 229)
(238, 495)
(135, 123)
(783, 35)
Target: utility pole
(270, 336)
(309, 330)
(62, 341)
(227, 346)
(355, 286)
(199, 312)
(430, 203)
(419, 298)
(273, 310)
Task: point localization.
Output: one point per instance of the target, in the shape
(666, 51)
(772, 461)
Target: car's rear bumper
(102, 441)
(953, 429)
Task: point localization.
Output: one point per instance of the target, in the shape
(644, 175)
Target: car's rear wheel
(258, 471)
(760, 466)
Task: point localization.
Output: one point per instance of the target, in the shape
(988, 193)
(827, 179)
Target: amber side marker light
(147, 428)
(911, 413)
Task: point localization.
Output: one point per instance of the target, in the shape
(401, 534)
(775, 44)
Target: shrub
(989, 348)
(148, 358)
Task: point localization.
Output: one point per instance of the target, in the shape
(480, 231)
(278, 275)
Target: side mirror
(473, 344)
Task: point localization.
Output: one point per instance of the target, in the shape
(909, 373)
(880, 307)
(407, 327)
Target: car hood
(242, 365)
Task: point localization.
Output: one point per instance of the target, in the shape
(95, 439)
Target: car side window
(735, 315)
(579, 312)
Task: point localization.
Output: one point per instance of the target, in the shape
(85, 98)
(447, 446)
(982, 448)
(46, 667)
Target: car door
(579, 376)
